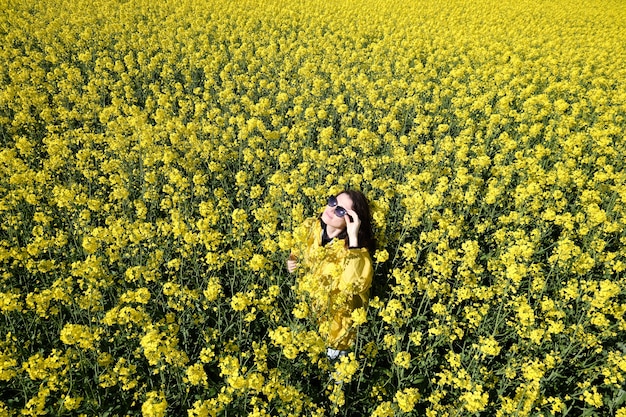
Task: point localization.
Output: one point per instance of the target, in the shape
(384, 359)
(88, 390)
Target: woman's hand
(352, 227)
(292, 263)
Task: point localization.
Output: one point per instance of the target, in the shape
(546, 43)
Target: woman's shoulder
(308, 227)
(359, 253)
(311, 222)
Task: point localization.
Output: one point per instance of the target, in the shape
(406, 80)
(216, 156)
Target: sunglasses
(339, 211)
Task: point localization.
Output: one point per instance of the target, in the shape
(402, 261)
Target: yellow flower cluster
(158, 158)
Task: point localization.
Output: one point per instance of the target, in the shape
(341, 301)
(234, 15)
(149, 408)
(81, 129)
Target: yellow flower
(213, 290)
(392, 310)
(90, 244)
(359, 316)
(39, 367)
(240, 301)
(258, 262)
(196, 375)
(229, 366)
(301, 310)
(403, 360)
(525, 313)
(383, 409)
(8, 366)
(476, 400)
(155, 405)
(241, 178)
(37, 404)
(534, 371)
(140, 295)
(71, 403)
(159, 348)
(381, 256)
(345, 368)
(558, 406)
(488, 346)
(184, 162)
(592, 397)
(10, 301)
(416, 338)
(390, 341)
(337, 398)
(407, 398)
(80, 335)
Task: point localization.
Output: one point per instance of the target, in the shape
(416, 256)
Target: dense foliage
(157, 157)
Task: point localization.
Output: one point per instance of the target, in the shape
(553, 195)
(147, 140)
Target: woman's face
(330, 218)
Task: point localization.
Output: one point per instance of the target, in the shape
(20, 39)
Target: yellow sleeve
(353, 292)
(357, 272)
(304, 237)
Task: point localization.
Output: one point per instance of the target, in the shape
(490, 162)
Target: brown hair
(361, 206)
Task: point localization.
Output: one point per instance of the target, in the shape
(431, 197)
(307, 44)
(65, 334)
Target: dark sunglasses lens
(340, 211)
(332, 201)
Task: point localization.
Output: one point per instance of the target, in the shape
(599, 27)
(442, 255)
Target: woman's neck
(332, 232)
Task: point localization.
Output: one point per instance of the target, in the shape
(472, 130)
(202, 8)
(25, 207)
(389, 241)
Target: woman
(334, 257)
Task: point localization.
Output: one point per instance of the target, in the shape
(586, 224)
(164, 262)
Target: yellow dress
(335, 280)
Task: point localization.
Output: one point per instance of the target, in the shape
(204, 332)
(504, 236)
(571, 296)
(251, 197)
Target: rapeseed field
(156, 158)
